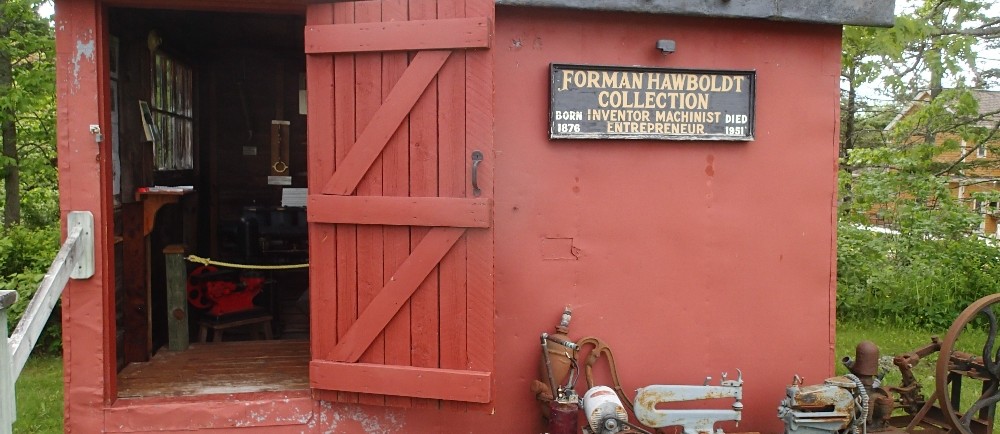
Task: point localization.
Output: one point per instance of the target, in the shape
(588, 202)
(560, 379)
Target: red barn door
(400, 209)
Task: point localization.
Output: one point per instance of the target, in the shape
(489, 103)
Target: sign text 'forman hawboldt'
(611, 102)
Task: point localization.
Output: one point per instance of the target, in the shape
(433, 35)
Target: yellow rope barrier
(207, 261)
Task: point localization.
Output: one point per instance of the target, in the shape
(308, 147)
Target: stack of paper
(293, 197)
(171, 189)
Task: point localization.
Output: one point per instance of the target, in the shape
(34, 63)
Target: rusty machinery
(859, 402)
(605, 409)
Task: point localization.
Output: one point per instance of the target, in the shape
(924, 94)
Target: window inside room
(173, 113)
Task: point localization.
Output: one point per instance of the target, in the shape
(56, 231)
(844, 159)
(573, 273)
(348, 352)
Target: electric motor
(604, 411)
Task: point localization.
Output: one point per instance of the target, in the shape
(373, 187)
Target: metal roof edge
(875, 13)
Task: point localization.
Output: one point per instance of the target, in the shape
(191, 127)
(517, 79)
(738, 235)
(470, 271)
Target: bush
(931, 263)
(25, 255)
(911, 282)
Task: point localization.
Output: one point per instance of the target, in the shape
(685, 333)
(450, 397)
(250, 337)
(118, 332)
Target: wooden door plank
(398, 289)
(424, 320)
(479, 135)
(398, 36)
(347, 235)
(395, 184)
(371, 250)
(451, 384)
(402, 211)
(452, 183)
(385, 121)
(321, 163)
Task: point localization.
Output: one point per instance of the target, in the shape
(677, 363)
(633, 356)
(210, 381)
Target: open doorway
(209, 139)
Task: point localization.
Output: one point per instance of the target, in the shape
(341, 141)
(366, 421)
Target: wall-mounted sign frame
(640, 103)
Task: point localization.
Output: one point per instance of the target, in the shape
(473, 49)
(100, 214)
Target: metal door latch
(96, 131)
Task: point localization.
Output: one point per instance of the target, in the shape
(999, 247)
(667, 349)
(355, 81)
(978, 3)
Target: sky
(989, 58)
(46, 10)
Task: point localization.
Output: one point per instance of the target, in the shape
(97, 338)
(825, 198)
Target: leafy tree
(29, 236)
(932, 45)
(27, 107)
(860, 66)
(929, 261)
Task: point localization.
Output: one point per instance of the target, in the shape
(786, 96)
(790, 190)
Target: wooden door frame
(83, 98)
(85, 184)
(292, 7)
(83, 93)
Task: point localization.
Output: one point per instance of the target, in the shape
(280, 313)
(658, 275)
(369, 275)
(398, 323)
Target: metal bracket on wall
(96, 131)
(81, 224)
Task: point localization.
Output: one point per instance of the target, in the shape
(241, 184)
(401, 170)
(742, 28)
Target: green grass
(891, 341)
(39, 392)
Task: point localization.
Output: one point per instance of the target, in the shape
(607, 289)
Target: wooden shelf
(152, 201)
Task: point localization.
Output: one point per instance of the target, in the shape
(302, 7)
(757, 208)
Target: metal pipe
(548, 366)
(847, 362)
(566, 343)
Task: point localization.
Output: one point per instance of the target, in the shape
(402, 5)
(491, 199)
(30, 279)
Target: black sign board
(620, 102)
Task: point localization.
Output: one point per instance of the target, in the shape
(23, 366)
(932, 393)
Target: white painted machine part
(693, 421)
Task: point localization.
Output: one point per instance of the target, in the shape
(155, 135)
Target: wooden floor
(224, 367)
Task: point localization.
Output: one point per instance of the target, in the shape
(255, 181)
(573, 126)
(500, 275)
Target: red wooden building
(434, 267)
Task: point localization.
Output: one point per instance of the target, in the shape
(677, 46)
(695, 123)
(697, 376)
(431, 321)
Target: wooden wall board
(368, 179)
(388, 35)
(423, 182)
(395, 183)
(401, 210)
(323, 239)
(458, 385)
(345, 135)
(452, 183)
(479, 107)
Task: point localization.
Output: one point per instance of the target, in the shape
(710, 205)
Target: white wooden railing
(75, 260)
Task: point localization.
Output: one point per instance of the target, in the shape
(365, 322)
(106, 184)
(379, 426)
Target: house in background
(981, 164)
